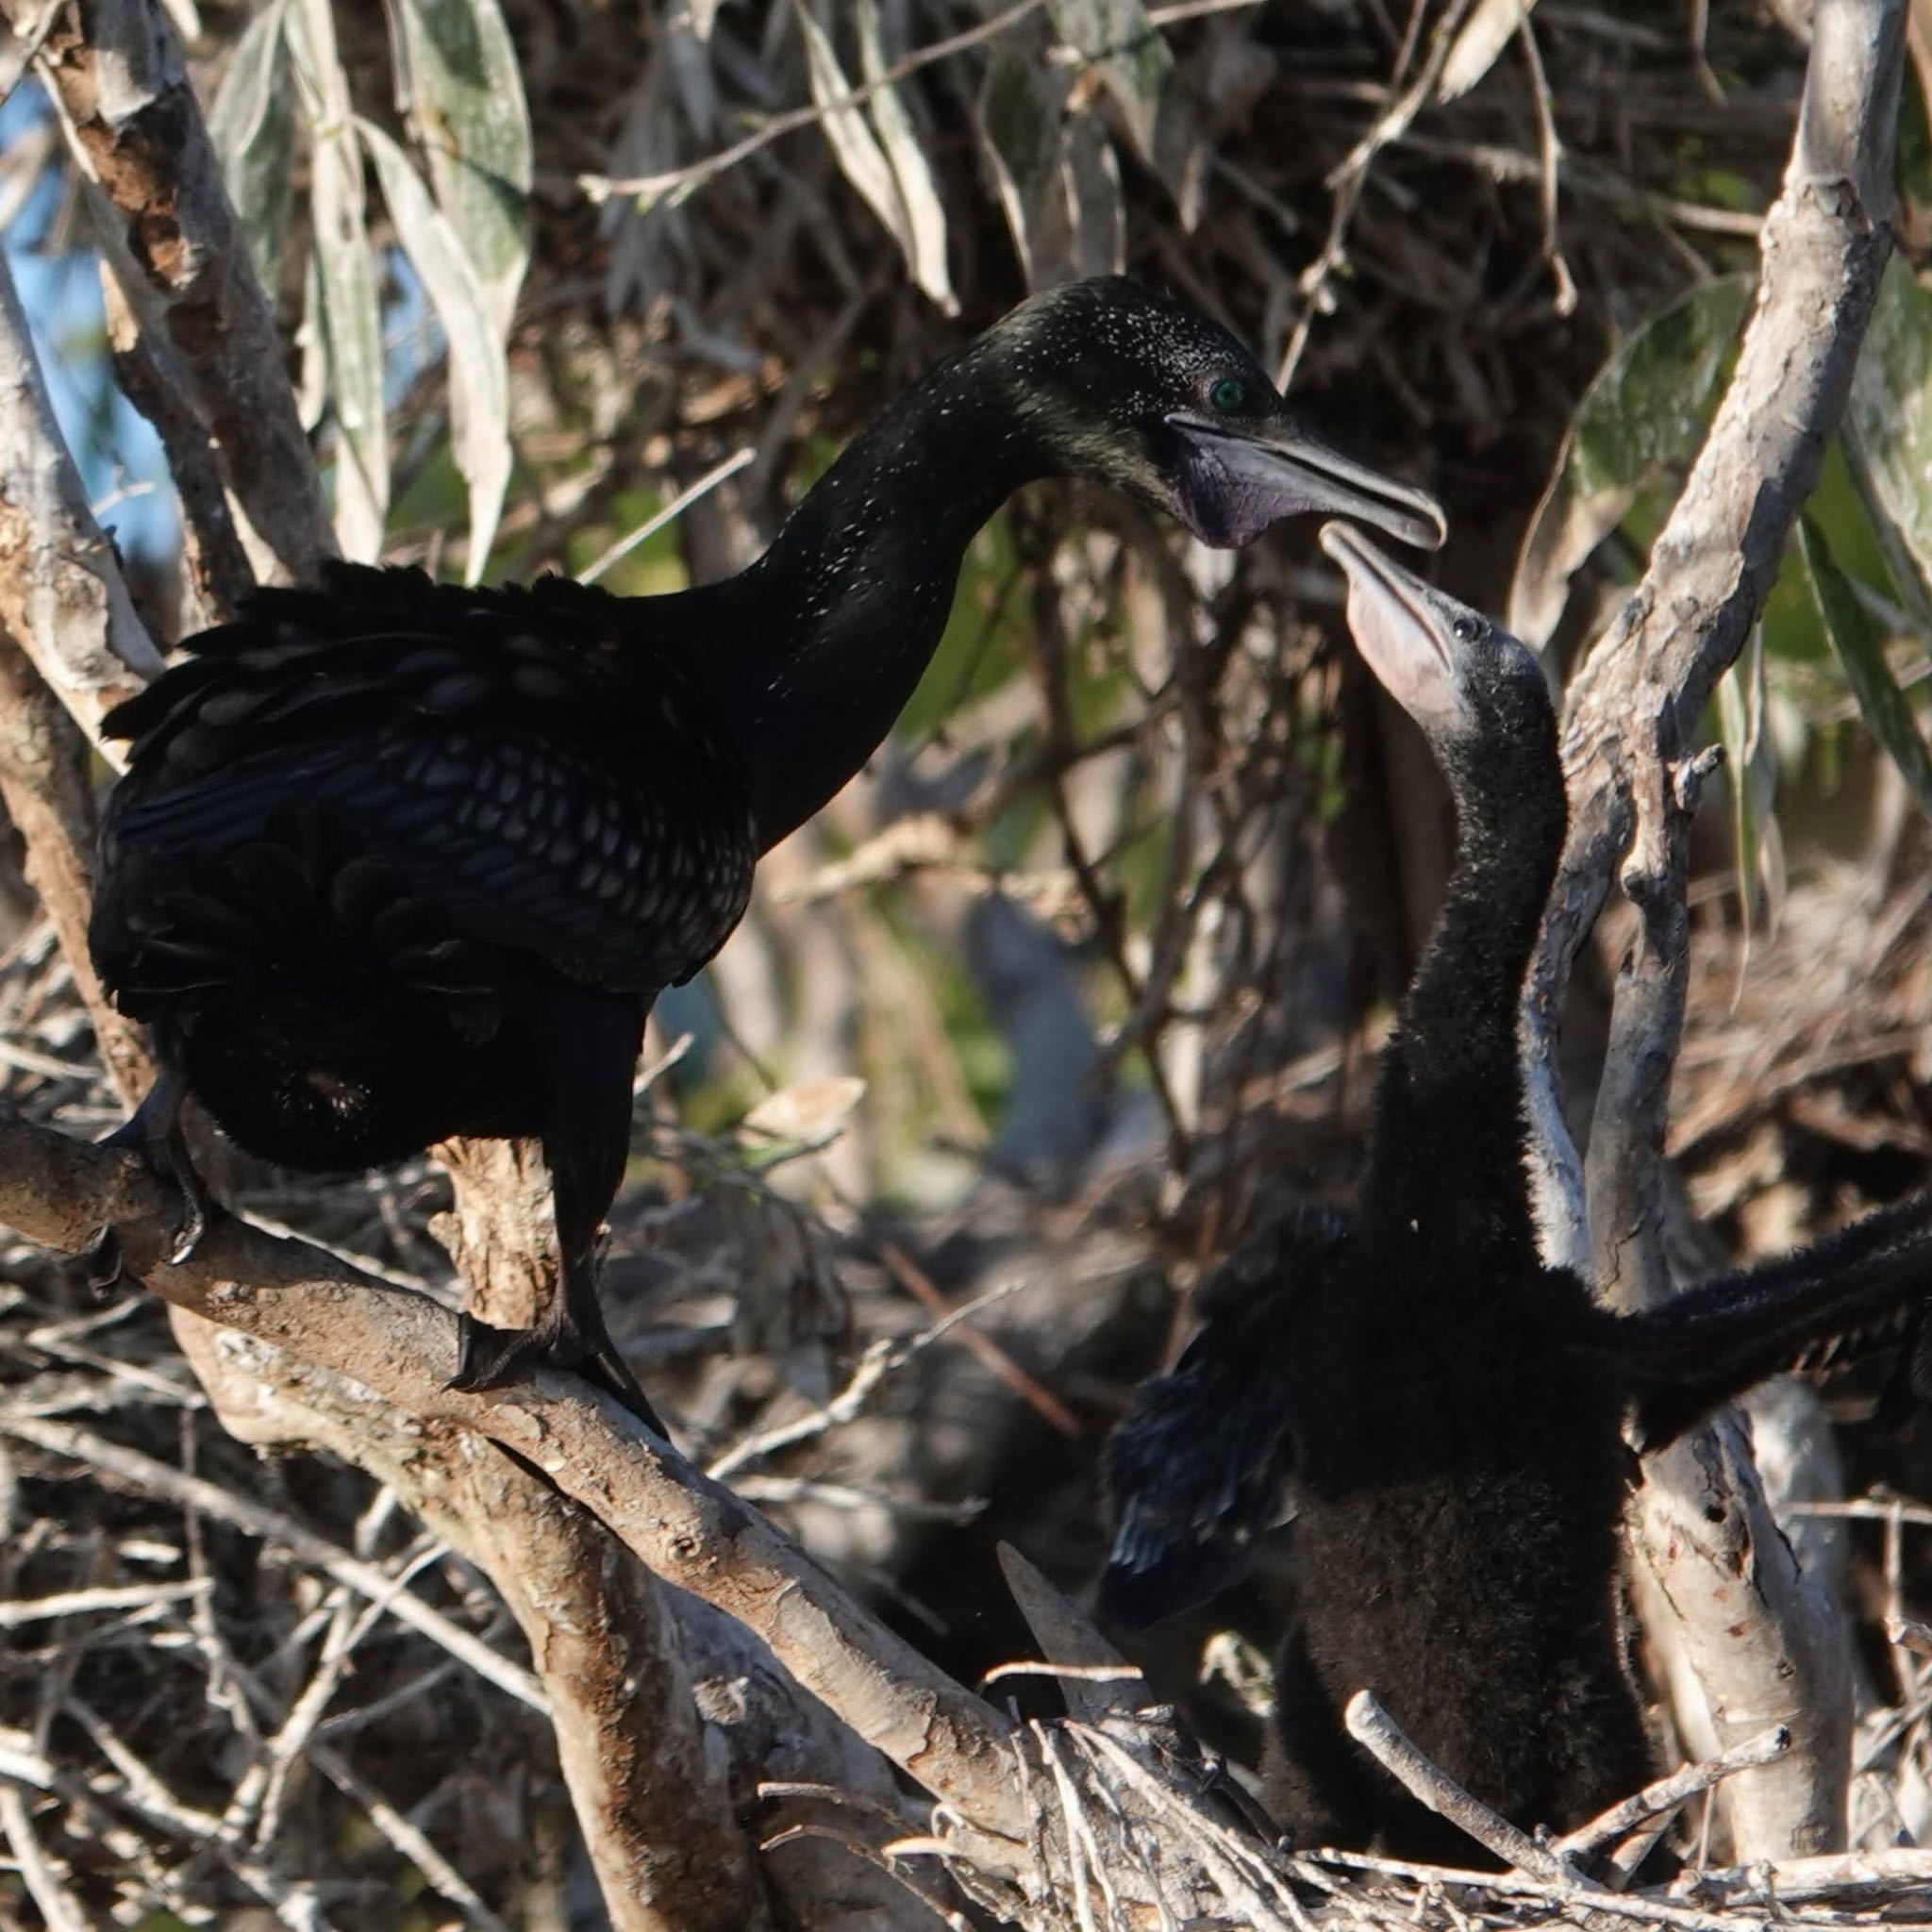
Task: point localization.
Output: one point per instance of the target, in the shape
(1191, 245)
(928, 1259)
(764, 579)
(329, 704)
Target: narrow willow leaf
(1751, 764)
(1888, 434)
(1484, 36)
(856, 148)
(1137, 68)
(252, 124)
(1862, 651)
(478, 373)
(1020, 113)
(473, 123)
(351, 313)
(926, 219)
(311, 349)
(1644, 414)
(1093, 171)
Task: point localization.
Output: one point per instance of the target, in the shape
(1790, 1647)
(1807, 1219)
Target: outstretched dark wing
(1200, 1465)
(531, 767)
(1865, 1292)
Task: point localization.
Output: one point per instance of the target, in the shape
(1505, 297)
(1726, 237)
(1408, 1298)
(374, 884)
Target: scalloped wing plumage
(538, 779)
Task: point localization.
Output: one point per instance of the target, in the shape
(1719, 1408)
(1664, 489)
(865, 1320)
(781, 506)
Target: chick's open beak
(1403, 628)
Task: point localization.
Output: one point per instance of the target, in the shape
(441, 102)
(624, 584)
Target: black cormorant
(395, 860)
(1446, 1422)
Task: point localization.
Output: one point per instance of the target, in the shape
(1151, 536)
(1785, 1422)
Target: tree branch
(1634, 707)
(60, 591)
(689, 1530)
(1724, 1595)
(168, 228)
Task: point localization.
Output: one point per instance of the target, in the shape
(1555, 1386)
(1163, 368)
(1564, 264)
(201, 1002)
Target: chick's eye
(1228, 395)
(1467, 629)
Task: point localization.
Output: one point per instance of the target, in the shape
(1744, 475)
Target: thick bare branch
(1723, 1592)
(651, 1804)
(1636, 703)
(43, 779)
(134, 125)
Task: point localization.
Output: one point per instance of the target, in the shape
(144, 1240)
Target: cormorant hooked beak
(1238, 479)
(1407, 630)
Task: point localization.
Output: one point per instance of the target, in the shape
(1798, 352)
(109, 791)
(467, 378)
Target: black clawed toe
(491, 1358)
(153, 1130)
(102, 1268)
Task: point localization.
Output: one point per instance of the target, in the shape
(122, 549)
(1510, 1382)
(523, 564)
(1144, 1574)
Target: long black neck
(811, 654)
(1445, 1173)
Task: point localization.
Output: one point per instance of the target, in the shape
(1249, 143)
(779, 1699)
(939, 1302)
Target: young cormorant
(1442, 1419)
(396, 861)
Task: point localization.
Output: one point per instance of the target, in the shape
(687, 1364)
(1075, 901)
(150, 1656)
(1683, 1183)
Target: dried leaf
(1644, 414)
(1484, 35)
(1862, 651)
(350, 313)
(1751, 761)
(925, 220)
(478, 373)
(813, 1111)
(252, 124)
(469, 117)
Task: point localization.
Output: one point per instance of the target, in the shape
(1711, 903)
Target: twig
(56, 1903)
(668, 514)
(1550, 146)
(77, 1602)
(879, 1361)
(922, 1288)
(158, 1478)
(1666, 1794)
(405, 1837)
(1378, 1734)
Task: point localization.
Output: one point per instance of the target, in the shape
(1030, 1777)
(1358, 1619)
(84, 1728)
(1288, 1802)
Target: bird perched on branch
(1446, 1422)
(396, 861)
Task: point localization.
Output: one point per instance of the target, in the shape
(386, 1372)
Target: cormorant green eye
(1229, 394)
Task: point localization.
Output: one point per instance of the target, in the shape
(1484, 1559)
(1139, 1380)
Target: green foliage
(1639, 423)
(1856, 580)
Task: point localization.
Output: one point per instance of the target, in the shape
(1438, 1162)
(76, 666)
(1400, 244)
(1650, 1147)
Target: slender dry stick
(1666, 1794)
(1378, 1734)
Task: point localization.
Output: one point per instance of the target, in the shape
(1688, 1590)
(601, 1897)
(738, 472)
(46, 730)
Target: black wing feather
(1200, 1466)
(521, 756)
(1863, 1293)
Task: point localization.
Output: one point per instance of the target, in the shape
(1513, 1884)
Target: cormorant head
(1459, 674)
(1142, 393)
